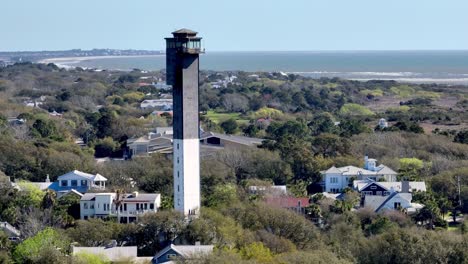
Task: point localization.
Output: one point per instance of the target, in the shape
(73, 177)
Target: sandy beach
(67, 62)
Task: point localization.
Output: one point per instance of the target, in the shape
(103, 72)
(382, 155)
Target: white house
(159, 104)
(79, 181)
(337, 179)
(382, 123)
(126, 207)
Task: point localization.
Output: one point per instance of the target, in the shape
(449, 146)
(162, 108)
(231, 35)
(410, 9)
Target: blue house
(79, 181)
(173, 252)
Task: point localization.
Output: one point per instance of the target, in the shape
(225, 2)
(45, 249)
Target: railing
(193, 50)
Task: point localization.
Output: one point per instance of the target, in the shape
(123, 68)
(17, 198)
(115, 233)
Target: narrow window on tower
(178, 189)
(177, 145)
(177, 160)
(177, 174)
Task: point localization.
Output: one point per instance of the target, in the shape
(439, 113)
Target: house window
(64, 183)
(138, 206)
(373, 187)
(85, 205)
(334, 180)
(92, 206)
(367, 193)
(74, 183)
(85, 217)
(385, 193)
(171, 256)
(84, 183)
(125, 207)
(146, 206)
(152, 206)
(379, 193)
(397, 205)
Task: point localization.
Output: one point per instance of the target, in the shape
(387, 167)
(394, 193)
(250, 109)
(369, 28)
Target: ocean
(406, 66)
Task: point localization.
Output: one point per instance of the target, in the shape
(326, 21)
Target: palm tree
(49, 199)
(118, 201)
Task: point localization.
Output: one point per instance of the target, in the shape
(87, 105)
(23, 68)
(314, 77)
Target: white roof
(384, 170)
(353, 171)
(333, 170)
(81, 175)
(99, 177)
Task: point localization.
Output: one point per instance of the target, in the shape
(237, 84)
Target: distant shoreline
(322, 65)
(65, 62)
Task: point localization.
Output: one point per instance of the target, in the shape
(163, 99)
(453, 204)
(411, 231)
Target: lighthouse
(182, 69)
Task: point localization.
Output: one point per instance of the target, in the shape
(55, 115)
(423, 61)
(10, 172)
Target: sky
(240, 25)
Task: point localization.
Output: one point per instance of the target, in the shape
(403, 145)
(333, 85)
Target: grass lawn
(220, 117)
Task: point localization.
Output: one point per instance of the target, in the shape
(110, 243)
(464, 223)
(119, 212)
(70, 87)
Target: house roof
(248, 141)
(395, 186)
(287, 202)
(353, 170)
(68, 192)
(184, 31)
(112, 253)
(42, 185)
(333, 170)
(82, 175)
(406, 196)
(187, 251)
(99, 177)
(127, 197)
(384, 170)
(237, 139)
(376, 201)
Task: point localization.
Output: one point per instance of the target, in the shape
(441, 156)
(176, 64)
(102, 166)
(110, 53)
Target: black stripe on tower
(185, 96)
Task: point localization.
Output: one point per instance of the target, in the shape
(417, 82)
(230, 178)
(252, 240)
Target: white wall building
(126, 208)
(337, 179)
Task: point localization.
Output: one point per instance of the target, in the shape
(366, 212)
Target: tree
(411, 168)
(322, 124)
(105, 147)
(47, 245)
(159, 229)
(329, 145)
(461, 137)
(46, 129)
(229, 126)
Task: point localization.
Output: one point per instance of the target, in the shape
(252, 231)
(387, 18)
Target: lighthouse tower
(182, 54)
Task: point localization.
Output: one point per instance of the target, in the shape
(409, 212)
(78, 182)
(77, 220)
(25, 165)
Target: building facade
(126, 207)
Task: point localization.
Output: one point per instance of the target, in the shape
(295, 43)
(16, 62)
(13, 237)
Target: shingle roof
(187, 251)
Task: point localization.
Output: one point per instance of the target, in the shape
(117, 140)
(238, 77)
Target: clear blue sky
(235, 25)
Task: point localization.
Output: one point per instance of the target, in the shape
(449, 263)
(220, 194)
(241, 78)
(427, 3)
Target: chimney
(366, 158)
(135, 194)
(405, 187)
(197, 243)
(47, 178)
